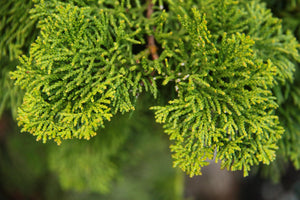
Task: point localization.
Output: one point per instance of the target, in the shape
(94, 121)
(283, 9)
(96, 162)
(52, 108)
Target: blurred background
(134, 162)
(134, 165)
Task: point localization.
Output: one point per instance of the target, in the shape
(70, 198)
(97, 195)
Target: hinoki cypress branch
(226, 61)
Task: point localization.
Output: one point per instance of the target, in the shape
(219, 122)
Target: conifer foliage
(224, 106)
(226, 62)
(80, 72)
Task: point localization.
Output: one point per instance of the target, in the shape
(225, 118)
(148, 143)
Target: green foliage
(17, 29)
(289, 115)
(224, 106)
(17, 32)
(81, 71)
(252, 18)
(272, 43)
(226, 66)
(10, 95)
(78, 172)
(287, 97)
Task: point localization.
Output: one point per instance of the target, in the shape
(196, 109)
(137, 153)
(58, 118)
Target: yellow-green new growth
(78, 74)
(225, 109)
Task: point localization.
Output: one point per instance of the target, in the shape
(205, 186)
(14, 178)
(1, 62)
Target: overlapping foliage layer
(17, 30)
(80, 72)
(287, 97)
(224, 109)
(226, 61)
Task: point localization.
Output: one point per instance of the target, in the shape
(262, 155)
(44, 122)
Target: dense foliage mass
(221, 73)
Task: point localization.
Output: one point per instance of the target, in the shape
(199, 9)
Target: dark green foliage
(17, 29)
(289, 115)
(288, 97)
(10, 95)
(17, 32)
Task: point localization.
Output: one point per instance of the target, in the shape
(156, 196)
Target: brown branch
(151, 41)
(149, 9)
